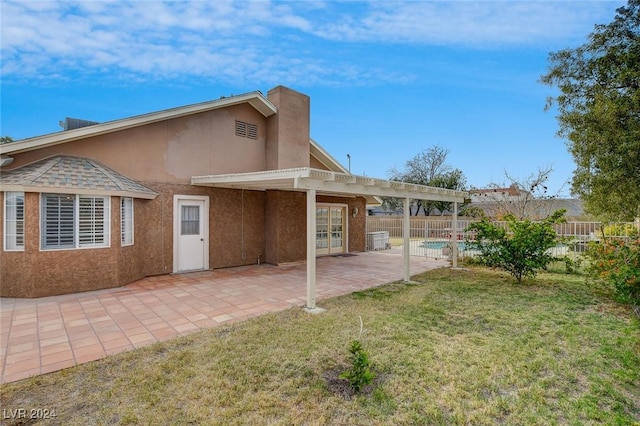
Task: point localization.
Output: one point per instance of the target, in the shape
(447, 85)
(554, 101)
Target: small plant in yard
(360, 374)
(521, 249)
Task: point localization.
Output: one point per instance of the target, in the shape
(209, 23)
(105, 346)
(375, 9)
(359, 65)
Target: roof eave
(255, 99)
(325, 158)
(83, 191)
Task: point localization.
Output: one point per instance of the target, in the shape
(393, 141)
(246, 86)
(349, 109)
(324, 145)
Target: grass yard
(461, 347)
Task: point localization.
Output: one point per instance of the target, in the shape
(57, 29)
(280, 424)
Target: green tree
(598, 105)
(520, 249)
(429, 167)
(5, 139)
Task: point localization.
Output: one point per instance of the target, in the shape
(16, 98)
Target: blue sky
(386, 78)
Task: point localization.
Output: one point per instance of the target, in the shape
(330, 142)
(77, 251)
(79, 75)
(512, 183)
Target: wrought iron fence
(432, 237)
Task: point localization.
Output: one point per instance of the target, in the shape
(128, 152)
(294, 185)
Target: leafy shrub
(521, 249)
(360, 374)
(620, 230)
(616, 261)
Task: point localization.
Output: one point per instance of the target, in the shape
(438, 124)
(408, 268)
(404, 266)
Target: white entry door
(191, 236)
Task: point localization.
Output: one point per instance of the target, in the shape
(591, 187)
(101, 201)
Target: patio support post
(406, 230)
(454, 236)
(311, 249)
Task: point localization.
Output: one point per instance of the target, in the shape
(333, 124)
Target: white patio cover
(316, 181)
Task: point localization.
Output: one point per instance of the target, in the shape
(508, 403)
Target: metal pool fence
(431, 237)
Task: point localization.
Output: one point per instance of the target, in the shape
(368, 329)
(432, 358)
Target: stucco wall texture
(245, 227)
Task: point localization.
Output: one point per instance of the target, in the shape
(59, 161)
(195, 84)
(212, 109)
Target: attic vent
(246, 130)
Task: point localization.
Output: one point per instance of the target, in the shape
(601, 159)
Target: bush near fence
(574, 236)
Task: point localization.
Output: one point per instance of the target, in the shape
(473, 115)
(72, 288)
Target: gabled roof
(255, 99)
(72, 175)
(325, 158)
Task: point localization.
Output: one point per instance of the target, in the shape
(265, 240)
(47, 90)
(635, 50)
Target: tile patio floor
(42, 335)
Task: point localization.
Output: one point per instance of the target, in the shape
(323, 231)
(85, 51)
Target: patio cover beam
(324, 181)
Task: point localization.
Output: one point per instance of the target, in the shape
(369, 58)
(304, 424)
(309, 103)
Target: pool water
(441, 244)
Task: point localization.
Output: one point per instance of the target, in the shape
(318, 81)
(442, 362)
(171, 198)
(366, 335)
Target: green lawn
(462, 347)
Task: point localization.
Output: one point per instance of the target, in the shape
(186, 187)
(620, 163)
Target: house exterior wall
(36, 273)
(236, 226)
(174, 150)
(286, 225)
(357, 224)
(236, 229)
(316, 164)
(245, 227)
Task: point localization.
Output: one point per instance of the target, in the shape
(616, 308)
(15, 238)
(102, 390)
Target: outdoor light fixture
(354, 213)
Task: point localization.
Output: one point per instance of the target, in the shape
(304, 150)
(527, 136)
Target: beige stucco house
(230, 182)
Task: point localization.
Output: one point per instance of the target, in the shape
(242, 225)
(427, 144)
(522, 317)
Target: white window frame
(345, 227)
(13, 224)
(126, 221)
(81, 228)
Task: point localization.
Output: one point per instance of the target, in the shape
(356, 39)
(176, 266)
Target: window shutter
(91, 221)
(70, 221)
(58, 230)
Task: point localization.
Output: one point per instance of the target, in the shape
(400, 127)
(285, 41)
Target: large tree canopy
(599, 114)
(428, 167)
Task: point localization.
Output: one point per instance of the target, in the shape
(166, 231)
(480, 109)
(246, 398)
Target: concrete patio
(43, 335)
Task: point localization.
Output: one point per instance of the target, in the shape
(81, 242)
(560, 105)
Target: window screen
(190, 220)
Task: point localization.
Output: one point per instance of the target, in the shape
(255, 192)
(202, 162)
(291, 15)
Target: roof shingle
(72, 175)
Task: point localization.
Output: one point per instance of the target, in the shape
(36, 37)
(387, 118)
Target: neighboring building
(510, 193)
(497, 202)
(103, 205)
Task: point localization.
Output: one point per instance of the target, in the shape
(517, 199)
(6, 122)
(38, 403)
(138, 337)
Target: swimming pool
(559, 250)
(441, 244)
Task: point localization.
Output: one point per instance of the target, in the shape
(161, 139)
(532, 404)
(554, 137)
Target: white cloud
(268, 41)
(468, 23)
